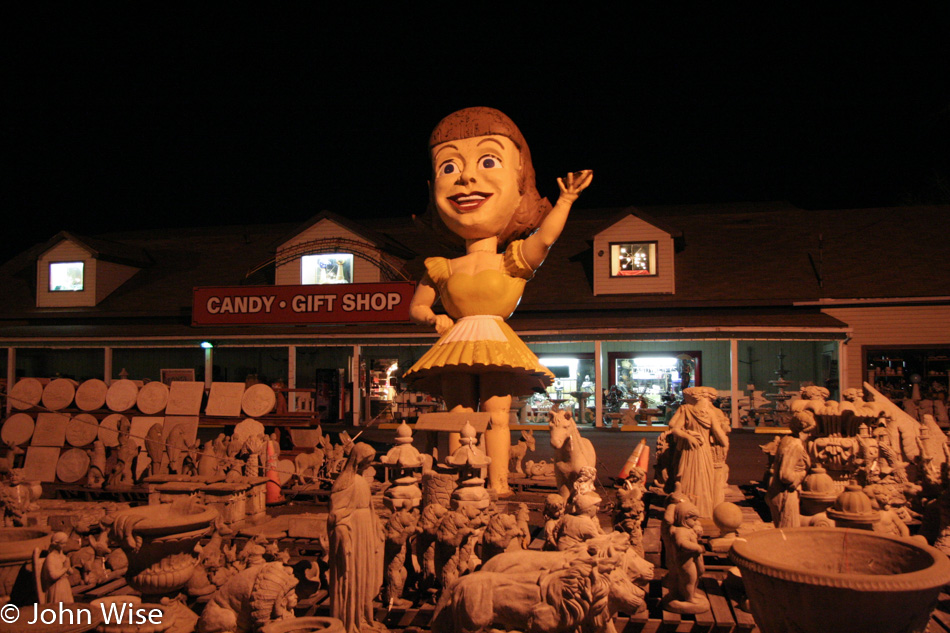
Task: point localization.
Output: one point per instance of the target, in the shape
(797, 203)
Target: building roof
(737, 266)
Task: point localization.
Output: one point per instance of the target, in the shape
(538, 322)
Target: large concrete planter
(838, 579)
(159, 541)
(16, 548)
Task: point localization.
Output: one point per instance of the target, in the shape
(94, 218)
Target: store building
(637, 297)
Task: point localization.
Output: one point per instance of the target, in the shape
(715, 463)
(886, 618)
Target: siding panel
(895, 326)
(289, 273)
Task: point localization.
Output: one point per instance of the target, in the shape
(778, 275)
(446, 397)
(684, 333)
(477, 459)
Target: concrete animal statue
(518, 451)
(612, 547)
(251, 599)
(309, 466)
(582, 594)
(572, 452)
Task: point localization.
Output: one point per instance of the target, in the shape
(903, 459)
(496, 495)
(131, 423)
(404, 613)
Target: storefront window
(917, 373)
(331, 268)
(631, 259)
(65, 276)
(658, 378)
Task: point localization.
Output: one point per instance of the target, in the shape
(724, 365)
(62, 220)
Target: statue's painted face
(476, 184)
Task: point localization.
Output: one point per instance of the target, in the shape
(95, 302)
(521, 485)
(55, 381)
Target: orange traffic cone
(634, 458)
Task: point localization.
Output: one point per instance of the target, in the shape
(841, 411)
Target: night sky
(127, 116)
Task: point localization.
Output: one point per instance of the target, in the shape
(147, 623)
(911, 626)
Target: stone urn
(159, 541)
(839, 579)
(16, 548)
(311, 624)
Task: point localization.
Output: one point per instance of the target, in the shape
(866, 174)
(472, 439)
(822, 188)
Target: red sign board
(295, 305)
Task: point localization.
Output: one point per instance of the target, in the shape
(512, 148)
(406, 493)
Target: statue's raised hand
(574, 183)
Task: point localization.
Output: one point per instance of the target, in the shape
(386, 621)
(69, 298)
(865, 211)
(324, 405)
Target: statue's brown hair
(479, 121)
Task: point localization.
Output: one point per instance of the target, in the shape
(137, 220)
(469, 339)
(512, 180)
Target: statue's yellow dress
(480, 341)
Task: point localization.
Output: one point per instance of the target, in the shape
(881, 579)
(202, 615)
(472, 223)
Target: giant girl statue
(483, 191)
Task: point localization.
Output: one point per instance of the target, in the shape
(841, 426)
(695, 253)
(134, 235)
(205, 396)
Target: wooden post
(598, 386)
(107, 365)
(209, 367)
(11, 376)
(734, 381)
(842, 366)
(291, 377)
(355, 378)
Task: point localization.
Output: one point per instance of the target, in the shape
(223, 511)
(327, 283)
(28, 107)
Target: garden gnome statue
(483, 192)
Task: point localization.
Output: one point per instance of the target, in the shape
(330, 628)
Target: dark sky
(145, 115)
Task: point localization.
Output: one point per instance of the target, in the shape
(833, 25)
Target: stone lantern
(403, 461)
(469, 461)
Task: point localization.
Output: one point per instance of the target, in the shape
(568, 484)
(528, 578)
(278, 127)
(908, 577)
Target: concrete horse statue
(572, 452)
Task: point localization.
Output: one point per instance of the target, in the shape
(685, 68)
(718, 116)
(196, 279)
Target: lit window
(65, 276)
(332, 268)
(632, 259)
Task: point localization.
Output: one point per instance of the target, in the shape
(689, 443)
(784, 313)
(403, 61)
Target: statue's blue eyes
(489, 162)
(448, 168)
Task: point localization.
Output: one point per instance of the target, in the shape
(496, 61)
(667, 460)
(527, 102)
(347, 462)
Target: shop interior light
(206, 345)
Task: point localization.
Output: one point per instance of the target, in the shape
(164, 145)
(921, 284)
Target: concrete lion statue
(582, 593)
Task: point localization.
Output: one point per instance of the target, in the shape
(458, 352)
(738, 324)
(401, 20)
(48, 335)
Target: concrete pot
(839, 579)
(16, 548)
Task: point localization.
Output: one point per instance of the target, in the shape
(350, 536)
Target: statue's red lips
(469, 201)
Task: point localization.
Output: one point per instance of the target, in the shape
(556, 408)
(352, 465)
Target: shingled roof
(742, 256)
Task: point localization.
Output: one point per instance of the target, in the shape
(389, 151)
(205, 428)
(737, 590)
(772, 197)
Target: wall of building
(891, 326)
(79, 363)
(142, 363)
(66, 251)
(289, 273)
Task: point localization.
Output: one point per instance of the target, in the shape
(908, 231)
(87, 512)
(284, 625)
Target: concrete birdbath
(839, 579)
(159, 541)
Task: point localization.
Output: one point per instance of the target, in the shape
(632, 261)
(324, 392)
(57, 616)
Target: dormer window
(633, 255)
(327, 268)
(76, 271)
(633, 259)
(66, 276)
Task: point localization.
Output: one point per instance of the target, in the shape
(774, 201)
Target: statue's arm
(420, 308)
(536, 247)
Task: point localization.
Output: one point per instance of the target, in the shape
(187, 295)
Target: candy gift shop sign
(293, 305)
